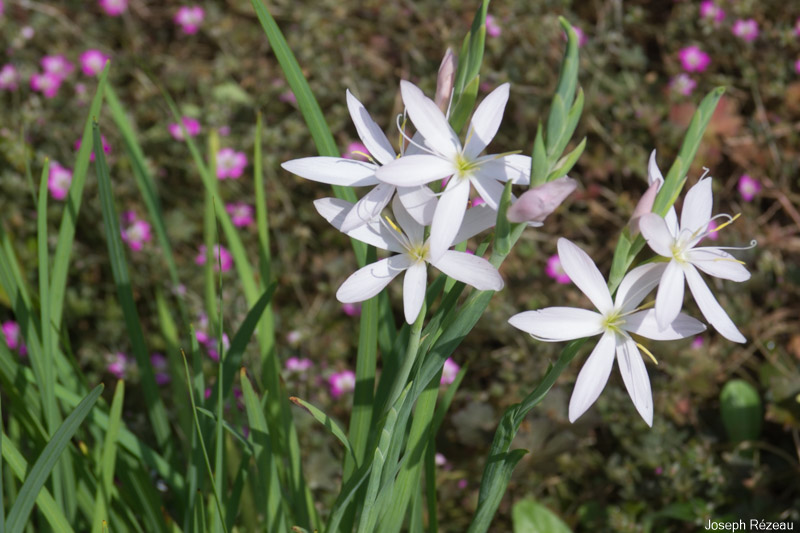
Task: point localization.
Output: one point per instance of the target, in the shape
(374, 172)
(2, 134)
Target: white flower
(413, 254)
(447, 157)
(679, 244)
(615, 321)
(353, 173)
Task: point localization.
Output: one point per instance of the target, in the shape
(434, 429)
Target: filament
(645, 350)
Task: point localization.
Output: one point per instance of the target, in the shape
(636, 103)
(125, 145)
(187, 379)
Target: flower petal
(490, 190)
(368, 281)
(476, 219)
(653, 172)
(592, 377)
(470, 269)
(414, 284)
(420, 202)
(448, 216)
(654, 229)
(634, 374)
(554, 324)
(368, 207)
(333, 170)
(718, 263)
(669, 298)
(637, 284)
(696, 212)
(486, 120)
(537, 203)
(429, 121)
(644, 323)
(414, 170)
(376, 234)
(710, 307)
(413, 229)
(370, 133)
(584, 274)
(513, 167)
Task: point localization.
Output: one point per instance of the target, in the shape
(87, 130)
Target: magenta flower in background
(449, 371)
(711, 11)
(103, 141)
(581, 36)
(797, 27)
(9, 77)
(492, 29)
(682, 84)
(114, 8)
(192, 128)
(93, 62)
(135, 232)
(797, 66)
(712, 233)
(13, 337)
(748, 187)
(697, 342)
(58, 65)
(2, 8)
(224, 131)
(555, 270)
(475, 202)
(746, 29)
(46, 83)
(27, 33)
(296, 364)
(356, 150)
(230, 164)
(213, 344)
(440, 460)
(189, 18)
(201, 330)
(221, 257)
(351, 309)
(342, 382)
(241, 214)
(160, 368)
(59, 180)
(287, 97)
(693, 59)
(119, 364)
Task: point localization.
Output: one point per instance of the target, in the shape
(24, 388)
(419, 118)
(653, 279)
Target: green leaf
(539, 162)
(566, 163)
(504, 465)
(502, 234)
(556, 125)
(328, 423)
(18, 516)
(741, 410)
(105, 476)
(568, 77)
(528, 516)
(460, 110)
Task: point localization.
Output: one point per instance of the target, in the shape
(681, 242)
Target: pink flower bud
(644, 206)
(445, 81)
(535, 204)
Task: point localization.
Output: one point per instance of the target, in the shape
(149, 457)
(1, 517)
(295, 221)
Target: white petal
(637, 284)
(669, 298)
(554, 324)
(654, 229)
(718, 263)
(429, 120)
(514, 167)
(420, 202)
(653, 172)
(414, 284)
(490, 190)
(368, 281)
(671, 218)
(644, 323)
(486, 120)
(335, 211)
(448, 216)
(696, 212)
(634, 374)
(333, 170)
(476, 219)
(414, 170)
(369, 207)
(413, 229)
(470, 269)
(370, 133)
(592, 377)
(710, 308)
(584, 274)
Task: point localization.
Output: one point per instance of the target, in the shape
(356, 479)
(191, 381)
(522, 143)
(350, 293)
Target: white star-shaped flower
(615, 321)
(679, 244)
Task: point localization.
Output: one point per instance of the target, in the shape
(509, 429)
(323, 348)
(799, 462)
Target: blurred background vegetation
(608, 471)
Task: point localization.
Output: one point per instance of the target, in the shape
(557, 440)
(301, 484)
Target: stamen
(752, 245)
(406, 137)
(705, 172)
(364, 155)
(398, 234)
(645, 350)
(737, 215)
(393, 225)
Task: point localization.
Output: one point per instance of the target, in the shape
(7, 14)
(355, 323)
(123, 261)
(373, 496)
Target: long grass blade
(105, 475)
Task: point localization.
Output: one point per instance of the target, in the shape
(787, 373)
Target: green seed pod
(741, 410)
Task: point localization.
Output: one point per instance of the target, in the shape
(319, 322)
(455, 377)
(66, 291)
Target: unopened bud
(535, 204)
(644, 206)
(446, 80)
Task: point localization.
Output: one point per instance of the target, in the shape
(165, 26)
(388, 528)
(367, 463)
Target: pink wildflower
(555, 270)
(462, 484)
(712, 234)
(57, 65)
(224, 131)
(287, 97)
(449, 371)
(46, 83)
(230, 164)
(693, 59)
(351, 309)
(213, 346)
(296, 364)
(59, 180)
(160, 368)
(342, 382)
(711, 11)
(746, 29)
(682, 84)
(13, 337)
(114, 8)
(241, 214)
(9, 78)
(797, 66)
(221, 257)
(93, 62)
(581, 36)
(294, 337)
(136, 232)
(697, 342)
(27, 33)
(356, 150)
(192, 128)
(492, 29)
(189, 18)
(797, 27)
(119, 364)
(103, 141)
(440, 460)
(201, 331)
(748, 187)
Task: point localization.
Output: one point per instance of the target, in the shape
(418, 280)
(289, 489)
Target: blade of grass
(2, 501)
(328, 423)
(105, 474)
